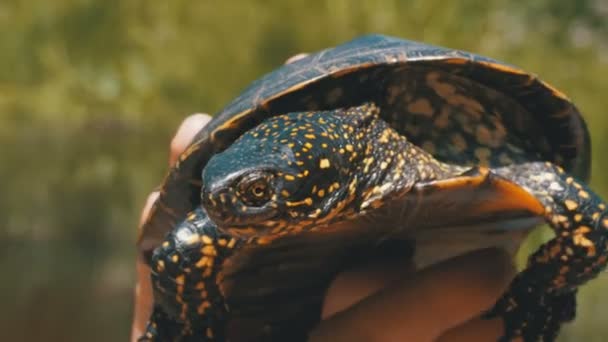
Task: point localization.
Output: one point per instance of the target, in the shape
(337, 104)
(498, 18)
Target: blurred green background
(91, 92)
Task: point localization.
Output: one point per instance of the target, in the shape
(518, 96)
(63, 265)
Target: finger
(186, 131)
(353, 285)
(152, 197)
(475, 330)
(433, 301)
(142, 307)
(143, 289)
(295, 58)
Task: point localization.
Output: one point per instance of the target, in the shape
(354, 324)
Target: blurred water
(90, 92)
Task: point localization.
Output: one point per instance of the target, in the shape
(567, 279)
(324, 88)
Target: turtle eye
(255, 189)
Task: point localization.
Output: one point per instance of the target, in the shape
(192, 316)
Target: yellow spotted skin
(323, 165)
(185, 279)
(543, 295)
(316, 165)
(305, 172)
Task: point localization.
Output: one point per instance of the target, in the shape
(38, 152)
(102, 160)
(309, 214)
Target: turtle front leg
(162, 328)
(542, 297)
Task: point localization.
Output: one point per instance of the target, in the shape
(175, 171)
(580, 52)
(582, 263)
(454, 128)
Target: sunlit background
(91, 92)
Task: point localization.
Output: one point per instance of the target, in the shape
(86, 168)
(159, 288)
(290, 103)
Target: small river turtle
(321, 162)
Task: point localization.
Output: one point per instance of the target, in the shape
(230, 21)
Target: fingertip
(145, 213)
(185, 133)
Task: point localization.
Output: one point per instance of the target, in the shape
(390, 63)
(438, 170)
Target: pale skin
(383, 300)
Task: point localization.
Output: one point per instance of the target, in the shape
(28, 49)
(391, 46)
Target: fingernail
(185, 133)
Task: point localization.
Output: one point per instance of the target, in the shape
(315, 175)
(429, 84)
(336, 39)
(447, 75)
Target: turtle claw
(533, 315)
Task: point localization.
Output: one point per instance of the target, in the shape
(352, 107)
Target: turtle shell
(426, 91)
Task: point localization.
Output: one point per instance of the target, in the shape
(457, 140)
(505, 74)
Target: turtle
(377, 142)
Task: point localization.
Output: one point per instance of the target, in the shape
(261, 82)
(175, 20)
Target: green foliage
(91, 91)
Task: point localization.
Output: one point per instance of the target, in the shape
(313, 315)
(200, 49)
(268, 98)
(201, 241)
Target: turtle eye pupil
(255, 190)
(258, 189)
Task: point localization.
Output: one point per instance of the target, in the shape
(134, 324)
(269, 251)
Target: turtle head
(290, 170)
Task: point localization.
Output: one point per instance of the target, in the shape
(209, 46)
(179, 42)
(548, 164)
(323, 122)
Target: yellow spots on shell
(393, 92)
(308, 145)
(349, 147)
(601, 206)
(321, 193)
(595, 216)
(570, 204)
(459, 142)
(324, 145)
(324, 163)
(605, 223)
(483, 155)
(166, 244)
(206, 239)
(421, 106)
(199, 286)
(231, 243)
(441, 88)
(180, 279)
(222, 242)
(483, 135)
(578, 218)
(443, 118)
(310, 136)
(174, 258)
(285, 193)
(289, 177)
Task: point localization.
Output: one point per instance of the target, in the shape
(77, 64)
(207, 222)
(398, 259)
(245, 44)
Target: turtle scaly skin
(543, 295)
(323, 162)
(308, 176)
